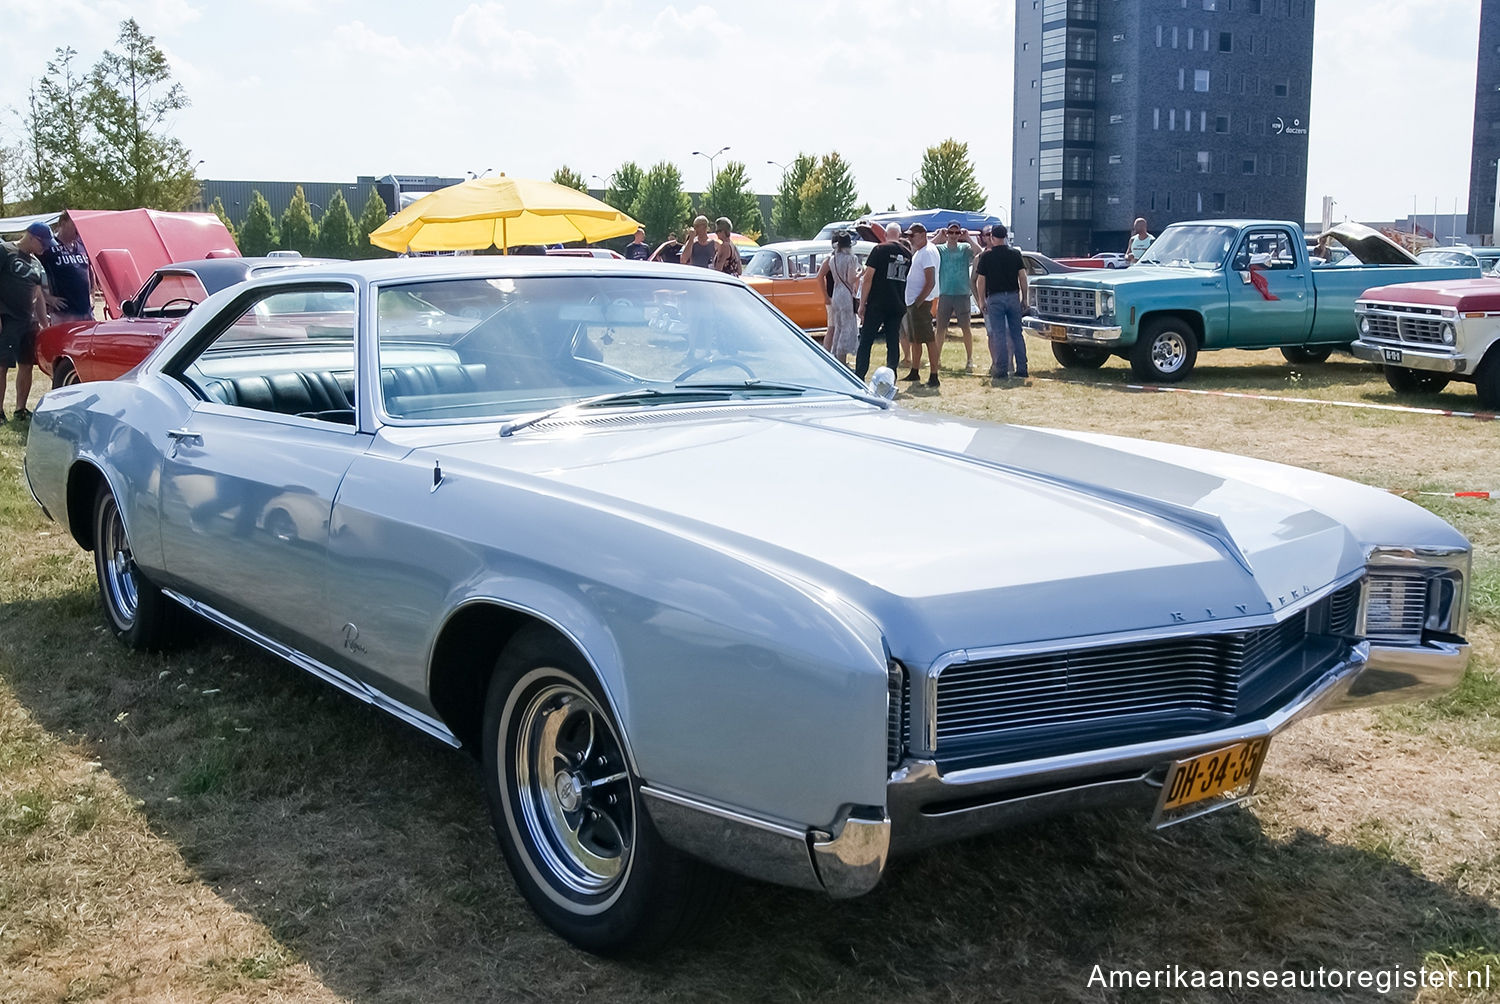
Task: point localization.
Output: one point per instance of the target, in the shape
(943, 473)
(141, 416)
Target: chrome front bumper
(1106, 336)
(925, 806)
(1418, 358)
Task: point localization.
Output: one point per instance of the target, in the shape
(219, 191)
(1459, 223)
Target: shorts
(17, 343)
(919, 320)
(953, 307)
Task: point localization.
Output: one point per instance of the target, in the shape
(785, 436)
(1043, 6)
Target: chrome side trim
(326, 673)
(732, 840)
(851, 863)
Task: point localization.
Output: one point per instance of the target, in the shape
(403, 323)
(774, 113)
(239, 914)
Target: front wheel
(1306, 353)
(1165, 351)
(138, 613)
(567, 809)
(1487, 381)
(1409, 381)
(63, 374)
(1079, 357)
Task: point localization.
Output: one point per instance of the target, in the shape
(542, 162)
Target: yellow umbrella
(505, 212)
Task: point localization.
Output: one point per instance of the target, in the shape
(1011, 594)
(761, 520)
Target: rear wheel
(1306, 353)
(63, 374)
(1409, 381)
(1079, 357)
(138, 613)
(1487, 381)
(567, 809)
(1165, 351)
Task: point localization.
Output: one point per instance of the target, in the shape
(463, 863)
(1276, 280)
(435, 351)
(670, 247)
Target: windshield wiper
(789, 388)
(620, 396)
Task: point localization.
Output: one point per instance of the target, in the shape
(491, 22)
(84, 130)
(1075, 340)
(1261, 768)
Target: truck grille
(1399, 323)
(1065, 301)
(1200, 676)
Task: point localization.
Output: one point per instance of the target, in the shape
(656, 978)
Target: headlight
(1448, 334)
(1106, 304)
(1364, 325)
(1409, 592)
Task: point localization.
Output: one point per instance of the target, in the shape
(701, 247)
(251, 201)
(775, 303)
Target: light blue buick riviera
(622, 531)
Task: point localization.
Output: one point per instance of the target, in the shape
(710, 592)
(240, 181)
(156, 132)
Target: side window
(288, 351)
(1271, 249)
(173, 295)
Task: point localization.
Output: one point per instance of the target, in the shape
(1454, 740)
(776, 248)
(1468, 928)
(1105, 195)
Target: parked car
(1427, 334)
(1219, 284)
(786, 274)
(583, 253)
(538, 509)
(1106, 260)
(75, 351)
(1486, 259)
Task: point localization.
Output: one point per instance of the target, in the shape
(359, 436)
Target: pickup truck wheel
(1487, 381)
(138, 613)
(1165, 351)
(1305, 354)
(1409, 381)
(1079, 357)
(567, 809)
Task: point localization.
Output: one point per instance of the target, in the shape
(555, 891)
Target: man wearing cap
(22, 310)
(638, 249)
(957, 254)
(66, 262)
(1000, 284)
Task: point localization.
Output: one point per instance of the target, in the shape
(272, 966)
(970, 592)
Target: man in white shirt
(921, 290)
(1140, 241)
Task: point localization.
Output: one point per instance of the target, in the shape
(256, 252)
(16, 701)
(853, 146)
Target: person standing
(882, 301)
(726, 255)
(69, 275)
(921, 289)
(698, 247)
(1000, 284)
(638, 249)
(1139, 241)
(22, 310)
(838, 277)
(957, 254)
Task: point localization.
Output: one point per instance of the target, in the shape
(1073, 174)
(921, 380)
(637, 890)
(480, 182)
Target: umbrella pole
(504, 241)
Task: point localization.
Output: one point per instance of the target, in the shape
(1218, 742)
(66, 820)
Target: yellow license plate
(1057, 331)
(1210, 780)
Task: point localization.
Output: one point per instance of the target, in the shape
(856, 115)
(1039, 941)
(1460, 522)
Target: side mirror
(883, 383)
(129, 308)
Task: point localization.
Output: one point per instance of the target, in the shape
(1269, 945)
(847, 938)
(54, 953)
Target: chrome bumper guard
(925, 806)
(1438, 361)
(1072, 331)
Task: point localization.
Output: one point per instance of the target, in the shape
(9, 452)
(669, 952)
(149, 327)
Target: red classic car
(75, 351)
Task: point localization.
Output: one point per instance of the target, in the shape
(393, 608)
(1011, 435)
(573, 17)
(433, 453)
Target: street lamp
(784, 167)
(911, 193)
(712, 172)
(481, 174)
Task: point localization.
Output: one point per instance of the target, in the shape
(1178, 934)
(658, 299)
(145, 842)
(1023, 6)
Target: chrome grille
(1065, 301)
(1343, 611)
(1395, 606)
(1401, 323)
(898, 717)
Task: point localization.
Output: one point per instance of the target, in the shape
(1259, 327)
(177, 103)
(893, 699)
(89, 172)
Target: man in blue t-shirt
(66, 262)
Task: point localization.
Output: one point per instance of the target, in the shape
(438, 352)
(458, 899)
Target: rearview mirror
(1242, 262)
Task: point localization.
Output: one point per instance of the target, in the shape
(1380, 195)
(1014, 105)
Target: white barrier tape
(1444, 495)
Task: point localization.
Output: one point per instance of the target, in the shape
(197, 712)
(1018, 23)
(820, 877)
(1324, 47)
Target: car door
(802, 299)
(1270, 301)
(248, 484)
(117, 346)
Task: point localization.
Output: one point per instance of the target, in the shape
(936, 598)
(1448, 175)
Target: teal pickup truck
(1220, 284)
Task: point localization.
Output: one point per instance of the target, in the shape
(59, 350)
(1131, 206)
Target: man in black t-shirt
(66, 263)
(882, 301)
(638, 249)
(21, 312)
(1000, 284)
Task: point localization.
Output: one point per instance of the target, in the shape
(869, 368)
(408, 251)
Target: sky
(332, 89)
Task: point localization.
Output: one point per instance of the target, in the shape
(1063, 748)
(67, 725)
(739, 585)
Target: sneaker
(969, 368)
(23, 414)
(933, 381)
(913, 375)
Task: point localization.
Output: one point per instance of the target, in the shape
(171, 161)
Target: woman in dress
(726, 255)
(838, 277)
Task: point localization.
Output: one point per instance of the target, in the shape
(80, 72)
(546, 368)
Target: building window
(1256, 7)
(1200, 81)
(1118, 37)
(1205, 162)
(1279, 90)
(1116, 78)
(1191, 33)
(1116, 119)
(1158, 36)
(1177, 160)
(1221, 123)
(1174, 36)
(1025, 46)
(1033, 85)
(1226, 41)
(1156, 118)
(1219, 202)
(1116, 158)
(1113, 200)
(1169, 202)
(1210, 4)
(1153, 202)
(1181, 79)
(1203, 121)
(1247, 165)
(1171, 119)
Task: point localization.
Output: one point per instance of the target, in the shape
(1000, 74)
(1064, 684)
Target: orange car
(786, 274)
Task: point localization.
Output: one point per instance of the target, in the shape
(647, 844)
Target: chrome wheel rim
(70, 377)
(1168, 352)
(117, 566)
(574, 790)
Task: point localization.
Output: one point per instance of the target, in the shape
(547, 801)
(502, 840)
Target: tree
(133, 161)
(11, 169)
(661, 206)
(624, 185)
(60, 135)
(565, 175)
(218, 210)
(258, 233)
(828, 194)
(337, 230)
(786, 212)
(946, 180)
(371, 217)
(298, 231)
(729, 195)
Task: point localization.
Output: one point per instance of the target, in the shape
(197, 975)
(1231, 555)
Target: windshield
(1435, 257)
(765, 263)
(467, 349)
(1190, 247)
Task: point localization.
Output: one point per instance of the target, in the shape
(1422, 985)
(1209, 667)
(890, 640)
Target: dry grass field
(214, 825)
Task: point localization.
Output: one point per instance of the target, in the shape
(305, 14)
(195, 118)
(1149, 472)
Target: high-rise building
(1167, 109)
(1485, 155)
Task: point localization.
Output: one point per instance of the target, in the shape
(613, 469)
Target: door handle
(182, 437)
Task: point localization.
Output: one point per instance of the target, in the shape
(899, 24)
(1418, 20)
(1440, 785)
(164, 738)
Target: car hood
(1460, 294)
(1124, 278)
(950, 532)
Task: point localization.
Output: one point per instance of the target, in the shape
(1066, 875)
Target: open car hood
(1370, 246)
(127, 246)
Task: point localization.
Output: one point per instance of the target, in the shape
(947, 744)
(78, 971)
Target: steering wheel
(709, 363)
(191, 303)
